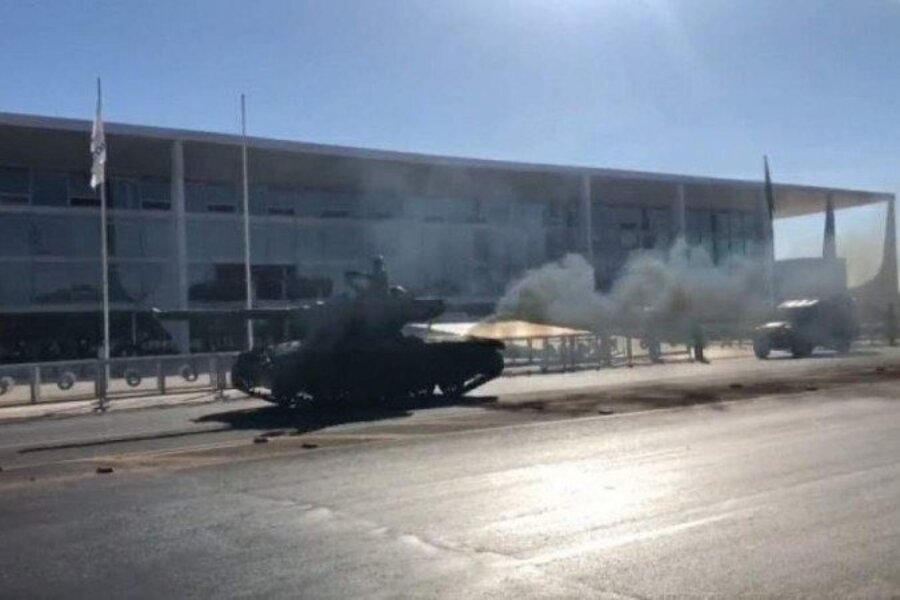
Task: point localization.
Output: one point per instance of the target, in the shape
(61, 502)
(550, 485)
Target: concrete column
(889, 255)
(829, 248)
(585, 215)
(679, 213)
(767, 248)
(178, 330)
(765, 239)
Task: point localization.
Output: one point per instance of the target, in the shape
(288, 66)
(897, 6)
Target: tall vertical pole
(888, 271)
(769, 233)
(679, 220)
(586, 243)
(246, 221)
(180, 331)
(104, 258)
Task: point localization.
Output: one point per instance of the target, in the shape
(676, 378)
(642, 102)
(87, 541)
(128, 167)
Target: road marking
(596, 545)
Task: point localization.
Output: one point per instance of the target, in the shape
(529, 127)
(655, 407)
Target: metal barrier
(876, 333)
(84, 380)
(585, 351)
(32, 383)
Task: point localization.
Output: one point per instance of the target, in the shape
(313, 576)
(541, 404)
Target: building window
(629, 239)
(50, 189)
(481, 248)
(124, 238)
(135, 282)
(15, 186)
(15, 284)
(342, 243)
(220, 198)
(209, 197)
(65, 236)
(553, 214)
(155, 194)
(66, 284)
(14, 236)
(273, 201)
(281, 211)
(383, 207)
(81, 194)
(219, 239)
(194, 197)
(216, 283)
(123, 194)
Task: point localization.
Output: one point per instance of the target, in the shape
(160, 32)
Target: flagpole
(247, 274)
(770, 233)
(104, 255)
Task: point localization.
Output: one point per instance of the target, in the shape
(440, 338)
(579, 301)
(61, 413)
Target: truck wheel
(801, 349)
(842, 345)
(761, 348)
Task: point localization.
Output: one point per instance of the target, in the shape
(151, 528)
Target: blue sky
(695, 86)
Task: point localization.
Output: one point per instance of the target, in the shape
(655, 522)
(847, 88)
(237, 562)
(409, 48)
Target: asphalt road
(509, 400)
(793, 493)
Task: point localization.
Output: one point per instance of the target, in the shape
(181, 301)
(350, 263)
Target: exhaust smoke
(666, 291)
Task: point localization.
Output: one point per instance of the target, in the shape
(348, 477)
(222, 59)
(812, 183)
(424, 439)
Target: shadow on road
(825, 355)
(311, 418)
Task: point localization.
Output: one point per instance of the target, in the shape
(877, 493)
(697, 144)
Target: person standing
(698, 342)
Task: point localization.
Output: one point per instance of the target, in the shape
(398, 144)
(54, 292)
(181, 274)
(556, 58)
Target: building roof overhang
(791, 199)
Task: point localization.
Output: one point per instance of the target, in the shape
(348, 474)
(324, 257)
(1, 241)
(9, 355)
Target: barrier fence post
(35, 384)
(530, 351)
(100, 384)
(628, 351)
(160, 377)
(218, 374)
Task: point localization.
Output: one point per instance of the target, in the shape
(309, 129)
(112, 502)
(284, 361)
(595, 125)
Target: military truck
(804, 324)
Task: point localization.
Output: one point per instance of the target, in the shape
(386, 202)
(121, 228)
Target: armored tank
(353, 348)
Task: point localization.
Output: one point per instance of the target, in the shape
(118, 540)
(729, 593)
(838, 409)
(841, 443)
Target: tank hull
(382, 369)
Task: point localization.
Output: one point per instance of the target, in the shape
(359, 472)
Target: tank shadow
(821, 355)
(277, 419)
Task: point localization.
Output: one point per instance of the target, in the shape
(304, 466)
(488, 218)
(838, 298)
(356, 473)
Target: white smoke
(663, 290)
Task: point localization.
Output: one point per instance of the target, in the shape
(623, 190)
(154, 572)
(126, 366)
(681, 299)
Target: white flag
(98, 147)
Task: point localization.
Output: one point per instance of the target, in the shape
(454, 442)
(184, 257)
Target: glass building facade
(50, 240)
(456, 228)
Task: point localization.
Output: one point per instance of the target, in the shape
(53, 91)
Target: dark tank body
(353, 348)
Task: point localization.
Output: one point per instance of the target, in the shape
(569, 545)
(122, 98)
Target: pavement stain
(675, 395)
(287, 433)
